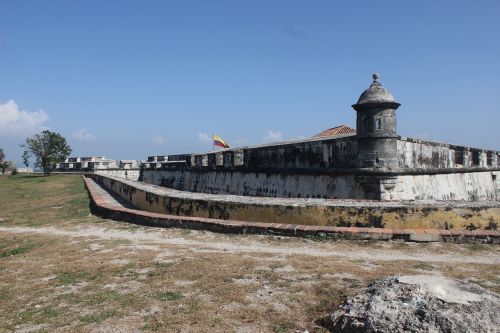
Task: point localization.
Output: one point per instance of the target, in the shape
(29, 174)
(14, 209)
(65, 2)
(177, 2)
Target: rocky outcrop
(418, 303)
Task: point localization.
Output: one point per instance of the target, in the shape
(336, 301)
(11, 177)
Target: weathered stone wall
(305, 211)
(132, 174)
(464, 186)
(419, 154)
(469, 186)
(313, 154)
(292, 169)
(257, 183)
(336, 153)
(330, 168)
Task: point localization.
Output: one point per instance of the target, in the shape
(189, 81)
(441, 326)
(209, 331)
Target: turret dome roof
(376, 93)
(375, 96)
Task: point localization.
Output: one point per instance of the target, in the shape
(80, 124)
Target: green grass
(17, 250)
(96, 318)
(102, 297)
(38, 200)
(478, 247)
(168, 296)
(26, 315)
(49, 312)
(128, 272)
(68, 278)
(160, 268)
(423, 266)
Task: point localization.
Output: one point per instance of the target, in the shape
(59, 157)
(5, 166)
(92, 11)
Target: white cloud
(18, 122)
(273, 136)
(204, 137)
(159, 140)
(84, 135)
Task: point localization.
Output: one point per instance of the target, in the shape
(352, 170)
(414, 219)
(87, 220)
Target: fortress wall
(419, 154)
(132, 174)
(310, 154)
(304, 211)
(266, 170)
(471, 186)
(339, 152)
(256, 183)
(326, 168)
(416, 155)
(465, 186)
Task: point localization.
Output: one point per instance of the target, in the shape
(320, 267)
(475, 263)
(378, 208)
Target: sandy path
(210, 242)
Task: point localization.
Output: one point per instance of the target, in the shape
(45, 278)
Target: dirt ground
(64, 269)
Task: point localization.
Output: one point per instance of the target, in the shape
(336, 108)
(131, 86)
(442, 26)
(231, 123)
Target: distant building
(101, 165)
(129, 164)
(25, 170)
(86, 163)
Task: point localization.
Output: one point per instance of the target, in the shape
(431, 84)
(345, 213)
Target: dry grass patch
(182, 280)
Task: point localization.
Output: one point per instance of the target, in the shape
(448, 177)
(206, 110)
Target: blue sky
(128, 79)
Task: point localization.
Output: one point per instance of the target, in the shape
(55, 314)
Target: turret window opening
(378, 124)
(459, 157)
(489, 158)
(476, 157)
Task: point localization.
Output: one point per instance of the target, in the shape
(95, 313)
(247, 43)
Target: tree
(3, 164)
(48, 148)
(26, 160)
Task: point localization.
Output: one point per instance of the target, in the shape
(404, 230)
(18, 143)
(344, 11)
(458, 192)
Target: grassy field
(64, 269)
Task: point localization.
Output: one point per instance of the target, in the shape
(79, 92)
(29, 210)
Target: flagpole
(213, 141)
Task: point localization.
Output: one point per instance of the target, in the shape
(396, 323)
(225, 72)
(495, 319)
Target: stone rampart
(429, 155)
(445, 185)
(106, 205)
(469, 186)
(262, 184)
(359, 213)
(132, 174)
(329, 168)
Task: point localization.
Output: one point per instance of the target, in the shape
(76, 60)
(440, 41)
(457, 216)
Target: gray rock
(418, 303)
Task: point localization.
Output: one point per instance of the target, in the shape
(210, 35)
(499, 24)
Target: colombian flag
(219, 142)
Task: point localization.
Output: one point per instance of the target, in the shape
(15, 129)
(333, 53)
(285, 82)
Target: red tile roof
(339, 130)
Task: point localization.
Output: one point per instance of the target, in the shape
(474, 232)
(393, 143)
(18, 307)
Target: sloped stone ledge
(105, 205)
